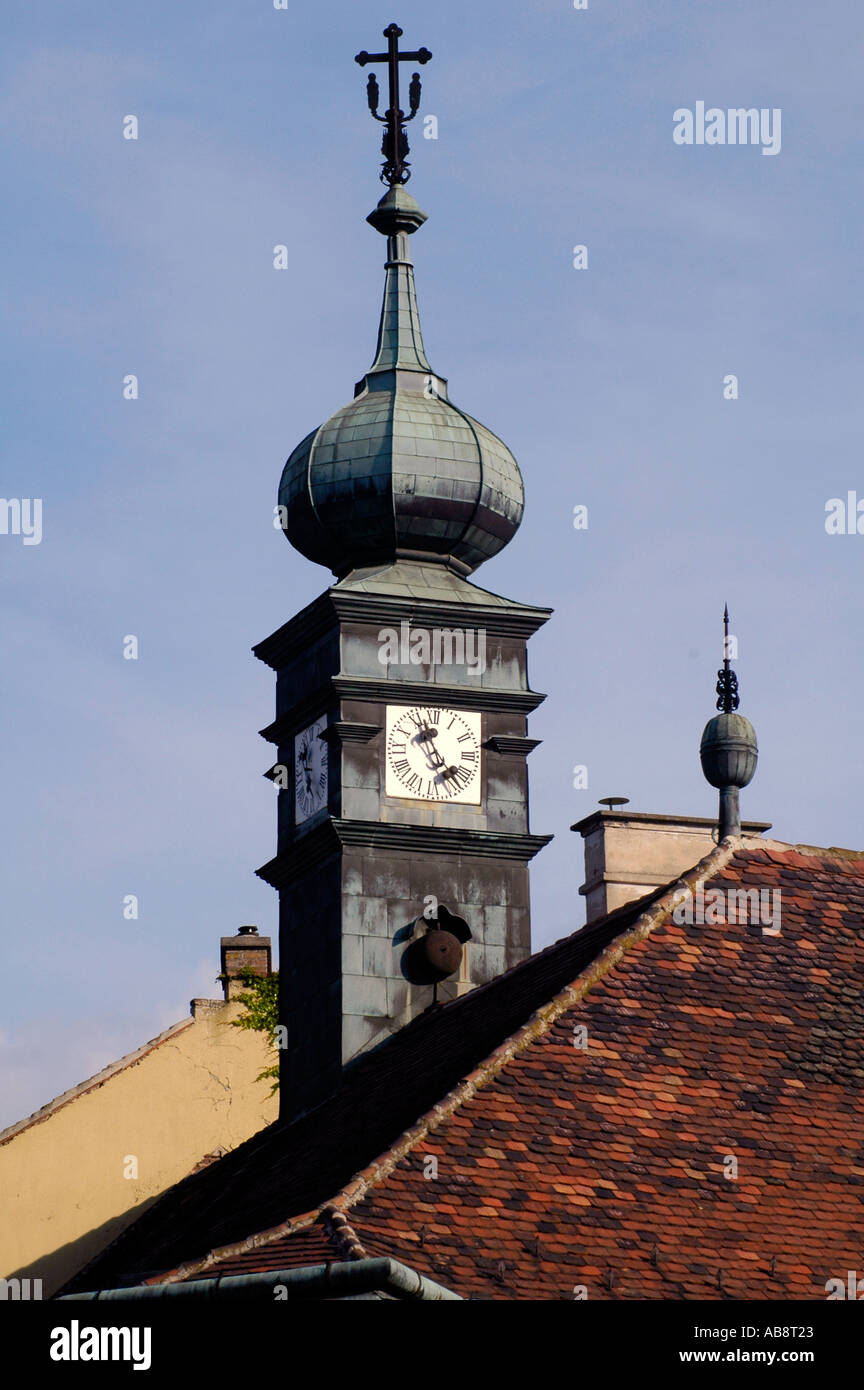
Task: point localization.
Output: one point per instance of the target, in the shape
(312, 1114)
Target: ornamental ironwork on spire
(728, 751)
(727, 681)
(394, 145)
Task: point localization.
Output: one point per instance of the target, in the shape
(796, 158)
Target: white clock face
(433, 754)
(310, 771)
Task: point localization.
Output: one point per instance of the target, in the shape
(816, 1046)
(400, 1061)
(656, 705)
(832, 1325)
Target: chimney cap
(613, 802)
(241, 953)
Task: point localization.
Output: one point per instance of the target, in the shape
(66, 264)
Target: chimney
(245, 950)
(630, 853)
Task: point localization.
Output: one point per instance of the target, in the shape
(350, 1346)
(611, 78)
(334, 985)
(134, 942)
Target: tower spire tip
(394, 145)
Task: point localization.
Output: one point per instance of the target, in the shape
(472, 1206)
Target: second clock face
(310, 771)
(433, 754)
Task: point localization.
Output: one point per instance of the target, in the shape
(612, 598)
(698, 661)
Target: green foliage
(260, 1001)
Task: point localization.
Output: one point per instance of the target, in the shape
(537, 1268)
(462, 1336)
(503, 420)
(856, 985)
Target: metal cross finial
(394, 145)
(727, 681)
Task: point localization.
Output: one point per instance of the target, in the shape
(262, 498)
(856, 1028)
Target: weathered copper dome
(400, 471)
(728, 750)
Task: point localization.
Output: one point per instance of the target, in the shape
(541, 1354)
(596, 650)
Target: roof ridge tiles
(191, 1268)
(342, 1234)
(99, 1078)
(787, 849)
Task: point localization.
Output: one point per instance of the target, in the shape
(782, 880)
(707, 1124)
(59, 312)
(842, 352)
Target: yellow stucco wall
(188, 1094)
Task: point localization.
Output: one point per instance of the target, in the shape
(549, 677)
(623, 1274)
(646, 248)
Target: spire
(397, 216)
(400, 341)
(728, 750)
(400, 472)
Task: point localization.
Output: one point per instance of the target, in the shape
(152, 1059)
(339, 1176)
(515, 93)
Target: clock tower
(402, 693)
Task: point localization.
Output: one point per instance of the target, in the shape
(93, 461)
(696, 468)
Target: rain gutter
(346, 1279)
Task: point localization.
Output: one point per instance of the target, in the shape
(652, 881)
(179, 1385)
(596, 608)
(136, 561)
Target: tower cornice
(333, 835)
(499, 617)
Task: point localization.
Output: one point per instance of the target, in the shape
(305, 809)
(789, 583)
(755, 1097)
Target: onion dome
(400, 472)
(728, 750)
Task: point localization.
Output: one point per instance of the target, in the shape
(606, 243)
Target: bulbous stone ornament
(728, 750)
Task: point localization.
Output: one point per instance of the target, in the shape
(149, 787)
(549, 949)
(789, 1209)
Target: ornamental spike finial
(727, 681)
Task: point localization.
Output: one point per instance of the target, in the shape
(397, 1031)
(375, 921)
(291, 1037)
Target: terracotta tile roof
(323, 1241)
(286, 1173)
(608, 1167)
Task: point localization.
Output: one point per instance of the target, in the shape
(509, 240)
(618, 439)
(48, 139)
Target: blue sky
(154, 257)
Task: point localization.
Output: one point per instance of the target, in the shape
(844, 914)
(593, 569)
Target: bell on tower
(401, 693)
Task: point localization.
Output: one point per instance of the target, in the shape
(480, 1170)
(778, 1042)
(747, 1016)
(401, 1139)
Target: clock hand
(425, 736)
